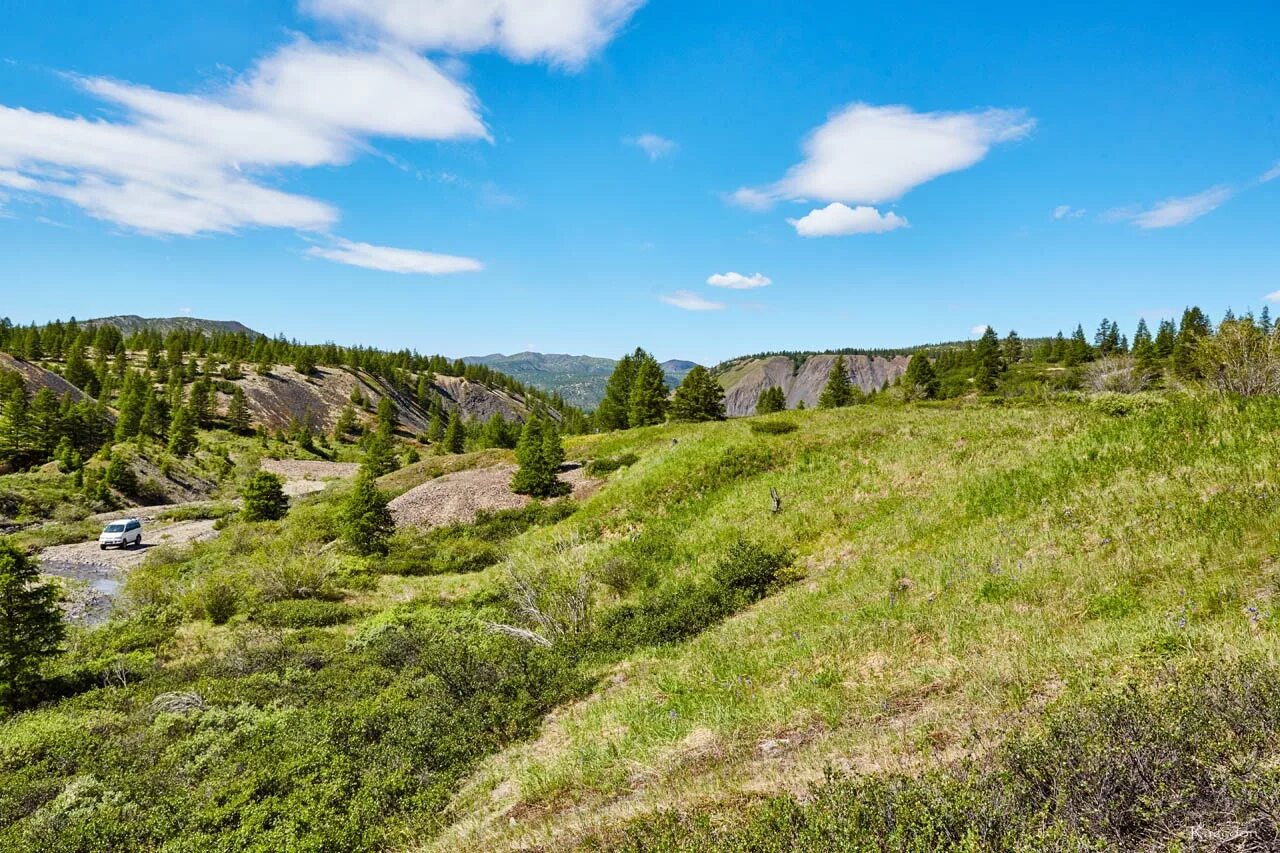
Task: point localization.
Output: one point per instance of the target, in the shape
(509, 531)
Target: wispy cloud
(738, 281)
(389, 259)
(1173, 212)
(565, 33)
(869, 154)
(655, 147)
(1271, 174)
(183, 164)
(1066, 211)
(1274, 296)
(690, 301)
(837, 220)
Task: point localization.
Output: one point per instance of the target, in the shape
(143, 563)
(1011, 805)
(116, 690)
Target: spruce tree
(1012, 348)
(1194, 327)
(614, 411)
(648, 403)
(31, 628)
(264, 498)
(838, 391)
(366, 524)
(1166, 337)
(771, 400)
(920, 380)
(378, 455)
(436, 429)
(182, 432)
(455, 437)
(700, 397)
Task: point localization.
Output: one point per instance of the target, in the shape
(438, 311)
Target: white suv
(125, 533)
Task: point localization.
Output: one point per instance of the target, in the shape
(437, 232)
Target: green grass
(957, 567)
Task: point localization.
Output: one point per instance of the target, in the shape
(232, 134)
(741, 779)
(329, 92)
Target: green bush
(608, 464)
(772, 427)
(219, 600)
(303, 613)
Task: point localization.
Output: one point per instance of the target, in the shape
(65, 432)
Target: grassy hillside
(937, 576)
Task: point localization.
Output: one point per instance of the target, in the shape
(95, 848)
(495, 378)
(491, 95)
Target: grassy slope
(965, 566)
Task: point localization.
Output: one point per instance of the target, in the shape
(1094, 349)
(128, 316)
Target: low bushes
(772, 427)
(1189, 764)
(608, 464)
(303, 613)
(462, 548)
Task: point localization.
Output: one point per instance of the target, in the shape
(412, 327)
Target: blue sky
(703, 179)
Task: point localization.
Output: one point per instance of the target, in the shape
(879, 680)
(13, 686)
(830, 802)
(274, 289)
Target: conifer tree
(614, 411)
(455, 437)
(648, 403)
(920, 380)
(131, 405)
(264, 498)
(771, 400)
(238, 411)
(31, 627)
(437, 427)
(378, 456)
(988, 364)
(838, 391)
(182, 432)
(700, 397)
(1011, 348)
(366, 523)
(387, 415)
(155, 417)
(1264, 320)
(1194, 327)
(539, 454)
(498, 433)
(1078, 350)
(201, 402)
(1166, 337)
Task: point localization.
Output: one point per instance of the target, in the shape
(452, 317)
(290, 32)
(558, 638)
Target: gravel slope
(459, 497)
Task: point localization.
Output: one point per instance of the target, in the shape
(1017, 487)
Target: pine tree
(366, 523)
(771, 400)
(1264, 320)
(1078, 350)
(614, 411)
(700, 397)
(437, 427)
(498, 433)
(920, 380)
(131, 405)
(988, 365)
(838, 391)
(455, 437)
(238, 411)
(387, 415)
(648, 403)
(182, 432)
(155, 416)
(201, 402)
(31, 628)
(264, 498)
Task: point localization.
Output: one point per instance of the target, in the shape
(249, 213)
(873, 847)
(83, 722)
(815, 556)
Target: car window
(133, 525)
(114, 528)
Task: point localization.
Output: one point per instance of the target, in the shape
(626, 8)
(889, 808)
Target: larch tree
(614, 411)
(771, 400)
(648, 403)
(920, 380)
(838, 391)
(700, 397)
(31, 627)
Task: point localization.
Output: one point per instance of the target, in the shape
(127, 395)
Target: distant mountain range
(580, 379)
(130, 324)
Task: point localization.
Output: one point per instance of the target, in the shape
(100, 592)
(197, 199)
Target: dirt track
(303, 477)
(459, 497)
(94, 576)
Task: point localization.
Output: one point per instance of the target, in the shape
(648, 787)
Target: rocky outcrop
(745, 381)
(35, 377)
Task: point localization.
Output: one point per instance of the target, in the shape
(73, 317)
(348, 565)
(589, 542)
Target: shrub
(219, 599)
(264, 498)
(608, 464)
(772, 427)
(304, 613)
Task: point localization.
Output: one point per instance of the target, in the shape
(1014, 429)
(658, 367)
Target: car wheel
(102, 547)
(137, 543)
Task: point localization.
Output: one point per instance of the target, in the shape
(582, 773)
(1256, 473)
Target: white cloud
(1177, 211)
(566, 33)
(836, 220)
(653, 145)
(690, 301)
(979, 331)
(1066, 211)
(870, 154)
(1274, 296)
(389, 259)
(738, 281)
(1271, 174)
(185, 164)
